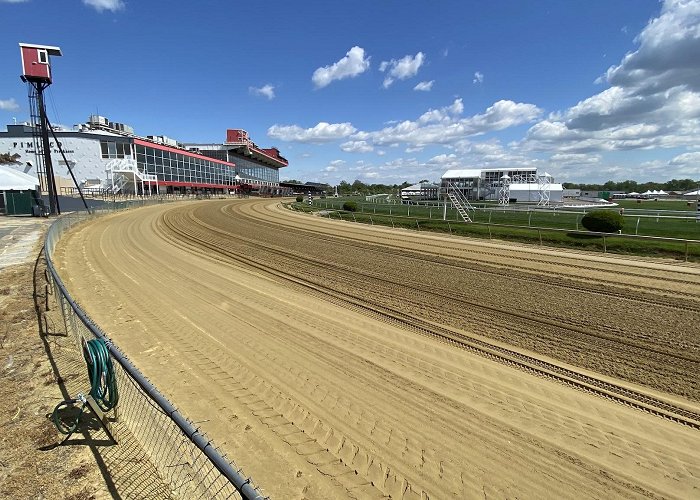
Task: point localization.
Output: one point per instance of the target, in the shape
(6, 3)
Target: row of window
(111, 149)
(170, 166)
(252, 169)
(177, 167)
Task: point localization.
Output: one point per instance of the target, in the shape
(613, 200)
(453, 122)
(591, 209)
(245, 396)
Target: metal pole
(70, 170)
(54, 207)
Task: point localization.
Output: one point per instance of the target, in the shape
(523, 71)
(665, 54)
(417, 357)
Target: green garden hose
(103, 385)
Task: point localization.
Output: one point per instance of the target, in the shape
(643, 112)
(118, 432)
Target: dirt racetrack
(335, 360)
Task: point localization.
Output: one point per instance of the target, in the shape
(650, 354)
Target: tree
(603, 221)
(9, 158)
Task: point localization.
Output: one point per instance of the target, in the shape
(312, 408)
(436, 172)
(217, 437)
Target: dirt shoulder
(31, 466)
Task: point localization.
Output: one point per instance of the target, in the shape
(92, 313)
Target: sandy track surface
(301, 346)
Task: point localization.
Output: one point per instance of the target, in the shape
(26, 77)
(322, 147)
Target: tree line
(634, 186)
(358, 187)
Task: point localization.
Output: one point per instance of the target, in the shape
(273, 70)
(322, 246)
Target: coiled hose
(103, 385)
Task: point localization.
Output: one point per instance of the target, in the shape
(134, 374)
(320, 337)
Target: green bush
(350, 206)
(300, 198)
(603, 221)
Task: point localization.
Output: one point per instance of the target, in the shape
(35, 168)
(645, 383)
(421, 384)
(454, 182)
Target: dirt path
(226, 307)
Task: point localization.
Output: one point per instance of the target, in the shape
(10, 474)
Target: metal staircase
(460, 201)
(123, 174)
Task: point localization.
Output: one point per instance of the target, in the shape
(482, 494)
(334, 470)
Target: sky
(383, 91)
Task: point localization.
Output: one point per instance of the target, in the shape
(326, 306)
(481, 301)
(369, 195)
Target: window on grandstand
(111, 149)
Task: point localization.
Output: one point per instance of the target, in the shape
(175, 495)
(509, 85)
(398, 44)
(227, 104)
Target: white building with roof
(526, 185)
(420, 191)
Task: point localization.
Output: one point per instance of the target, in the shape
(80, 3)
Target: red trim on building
(196, 184)
(171, 149)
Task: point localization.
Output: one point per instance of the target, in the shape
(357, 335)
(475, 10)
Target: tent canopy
(11, 179)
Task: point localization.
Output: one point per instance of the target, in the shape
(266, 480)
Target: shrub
(350, 206)
(300, 198)
(603, 221)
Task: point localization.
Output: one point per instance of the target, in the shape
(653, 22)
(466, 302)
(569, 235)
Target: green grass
(536, 227)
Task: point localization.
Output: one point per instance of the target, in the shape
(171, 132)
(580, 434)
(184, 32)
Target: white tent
(692, 194)
(11, 179)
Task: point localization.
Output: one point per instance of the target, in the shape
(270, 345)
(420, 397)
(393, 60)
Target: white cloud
(264, 91)
(575, 159)
(9, 104)
(478, 77)
(654, 96)
(13, 1)
(401, 69)
(443, 126)
(356, 147)
(323, 132)
(354, 63)
(100, 5)
(425, 86)
(687, 164)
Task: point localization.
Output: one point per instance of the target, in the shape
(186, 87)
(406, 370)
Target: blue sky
(384, 90)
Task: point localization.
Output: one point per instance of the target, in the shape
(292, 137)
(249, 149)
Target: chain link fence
(184, 458)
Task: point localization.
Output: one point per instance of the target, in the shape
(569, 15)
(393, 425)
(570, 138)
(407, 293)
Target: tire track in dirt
(673, 362)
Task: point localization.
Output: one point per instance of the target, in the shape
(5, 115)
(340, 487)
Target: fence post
(392, 222)
(686, 250)
(370, 220)
(529, 216)
(450, 228)
(417, 225)
(430, 213)
(489, 226)
(353, 218)
(636, 229)
(539, 232)
(605, 246)
(408, 210)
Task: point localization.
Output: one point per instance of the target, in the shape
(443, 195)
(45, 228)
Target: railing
(185, 459)
(685, 248)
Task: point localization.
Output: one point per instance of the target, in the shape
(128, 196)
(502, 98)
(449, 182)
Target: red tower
(36, 64)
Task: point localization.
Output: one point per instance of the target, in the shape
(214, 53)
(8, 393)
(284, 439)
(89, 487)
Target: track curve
(307, 329)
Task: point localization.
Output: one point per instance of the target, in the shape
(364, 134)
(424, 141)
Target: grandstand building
(106, 157)
(525, 184)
